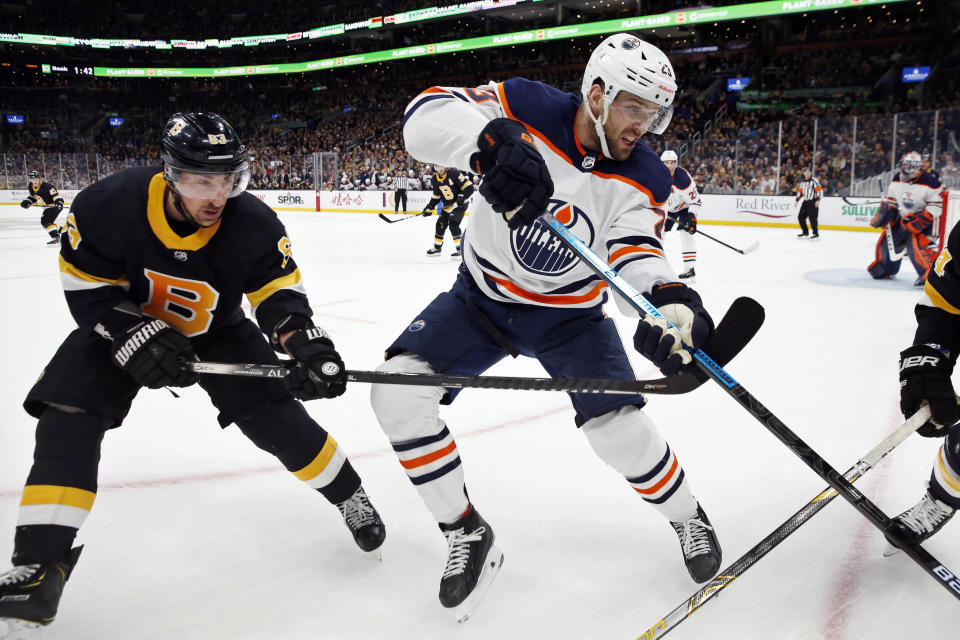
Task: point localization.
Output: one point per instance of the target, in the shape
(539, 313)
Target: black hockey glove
(689, 225)
(153, 353)
(925, 377)
(516, 181)
(426, 213)
(660, 344)
(319, 372)
(26, 202)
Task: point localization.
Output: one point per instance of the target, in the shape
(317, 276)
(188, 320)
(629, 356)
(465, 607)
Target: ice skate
(434, 252)
(690, 275)
(803, 235)
(30, 595)
(919, 522)
(456, 255)
(363, 521)
(701, 551)
(472, 563)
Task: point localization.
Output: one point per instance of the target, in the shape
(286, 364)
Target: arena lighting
(533, 36)
(416, 15)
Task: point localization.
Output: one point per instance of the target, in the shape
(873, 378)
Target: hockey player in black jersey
(154, 263)
(452, 188)
(925, 370)
(40, 191)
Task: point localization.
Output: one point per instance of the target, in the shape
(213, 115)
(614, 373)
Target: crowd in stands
(800, 109)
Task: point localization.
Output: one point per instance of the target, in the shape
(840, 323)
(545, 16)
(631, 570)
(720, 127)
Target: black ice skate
(690, 274)
(701, 551)
(434, 252)
(363, 521)
(803, 235)
(30, 595)
(919, 522)
(472, 563)
(456, 254)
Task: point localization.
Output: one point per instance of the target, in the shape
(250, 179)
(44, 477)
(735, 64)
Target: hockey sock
(945, 478)
(287, 431)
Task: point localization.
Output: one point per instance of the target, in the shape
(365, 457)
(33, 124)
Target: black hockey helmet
(33, 174)
(203, 143)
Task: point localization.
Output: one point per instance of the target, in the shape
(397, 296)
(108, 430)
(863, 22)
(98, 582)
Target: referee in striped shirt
(809, 193)
(400, 184)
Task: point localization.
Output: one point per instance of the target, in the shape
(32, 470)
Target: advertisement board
(738, 210)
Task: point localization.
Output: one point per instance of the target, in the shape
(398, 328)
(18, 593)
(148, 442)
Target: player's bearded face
(628, 119)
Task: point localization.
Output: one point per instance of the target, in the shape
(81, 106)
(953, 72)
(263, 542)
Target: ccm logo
(919, 361)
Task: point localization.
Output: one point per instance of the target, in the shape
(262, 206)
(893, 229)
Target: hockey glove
(925, 377)
(153, 353)
(916, 222)
(427, 213)
(886, 214)
(660, 343)
(319, 372)
(690, 225)
(516, 181)
(26, 202)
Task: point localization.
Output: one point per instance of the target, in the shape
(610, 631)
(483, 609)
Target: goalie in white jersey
(520, 291)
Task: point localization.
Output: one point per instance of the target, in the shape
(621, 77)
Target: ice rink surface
(196, 534)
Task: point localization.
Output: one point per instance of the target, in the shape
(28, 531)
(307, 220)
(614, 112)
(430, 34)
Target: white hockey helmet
(911, 163)
(624, 62)
(668, 156)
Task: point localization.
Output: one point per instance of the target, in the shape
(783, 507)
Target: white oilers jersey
(616, 208)
(684, 194)
(913, 196)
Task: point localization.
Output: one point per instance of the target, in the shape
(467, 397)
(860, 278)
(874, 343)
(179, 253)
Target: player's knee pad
(626, 439)
(406, 412)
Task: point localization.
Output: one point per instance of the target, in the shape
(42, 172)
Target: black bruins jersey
(120, 249)
(446, 187)
(938, 312)
(45, 192)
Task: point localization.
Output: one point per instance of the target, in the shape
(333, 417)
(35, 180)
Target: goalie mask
(910, 164)
(203, 157)
(626, 63)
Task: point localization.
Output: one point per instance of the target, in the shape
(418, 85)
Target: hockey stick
(738, 326)
(946, 578)
(781, 533)
(752, 247)
(859, 204)
(571, 385)
(406, 216)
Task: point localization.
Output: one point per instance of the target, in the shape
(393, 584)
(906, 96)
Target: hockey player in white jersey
(520, 291)
(683, 207)
(912, 204)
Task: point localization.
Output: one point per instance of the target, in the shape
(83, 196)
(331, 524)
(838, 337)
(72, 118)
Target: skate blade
(375, 555)
(491, 568)
(13, 629)
(890, 550)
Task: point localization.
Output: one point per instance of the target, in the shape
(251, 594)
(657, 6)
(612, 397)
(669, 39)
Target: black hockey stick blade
(739, 324)
(406, 216)
(865, 202)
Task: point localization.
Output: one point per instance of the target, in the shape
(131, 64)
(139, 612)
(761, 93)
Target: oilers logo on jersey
(539, 251)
